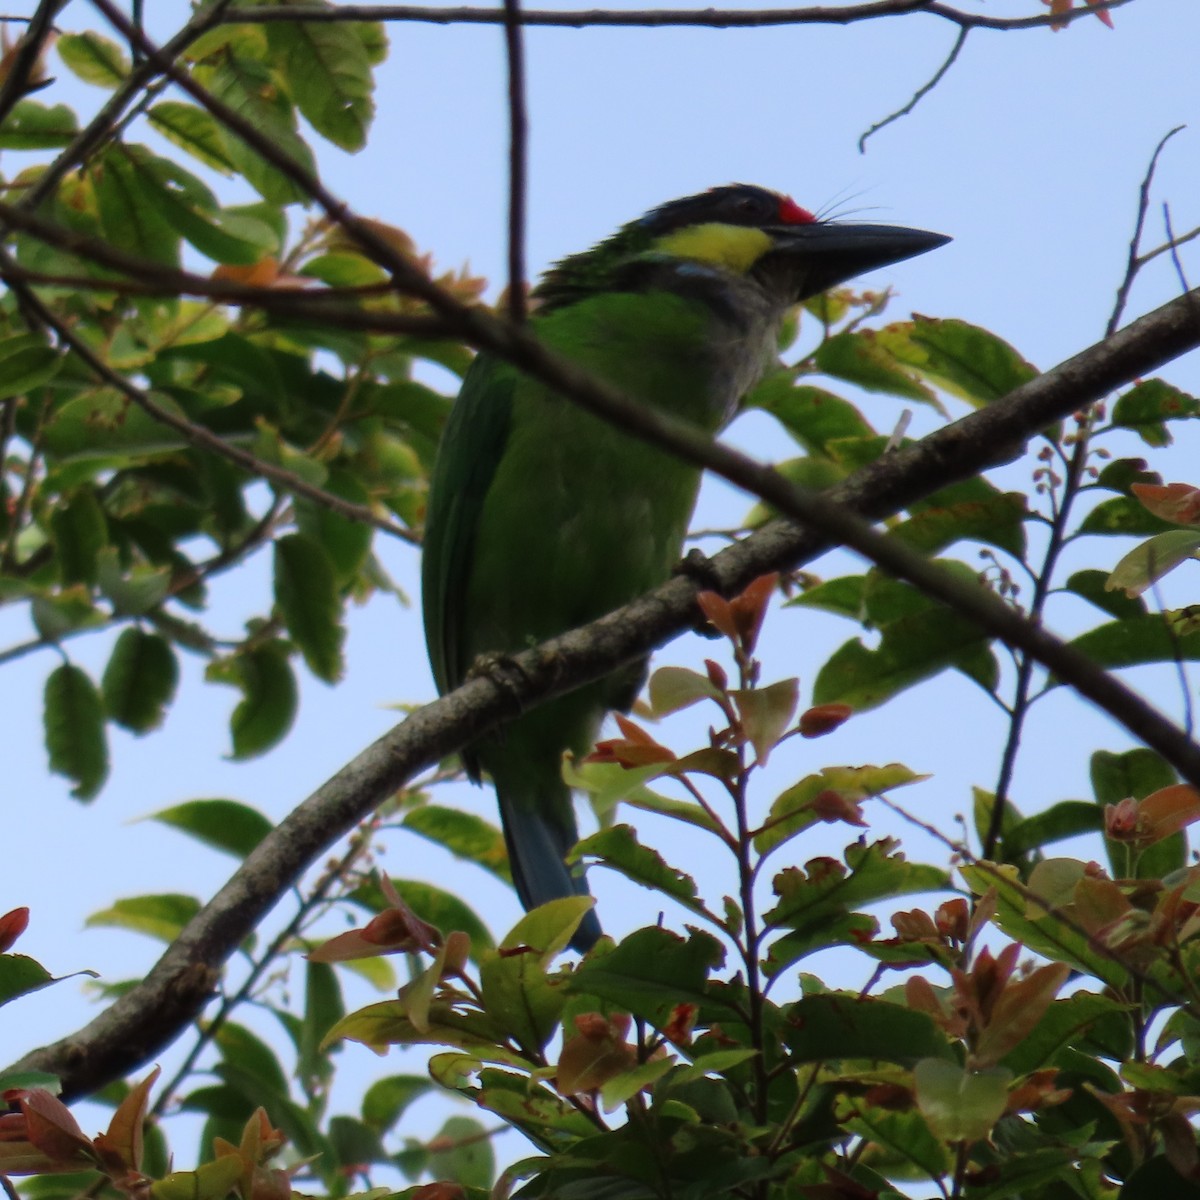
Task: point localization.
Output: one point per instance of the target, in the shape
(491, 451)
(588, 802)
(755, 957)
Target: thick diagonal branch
(151, 1015)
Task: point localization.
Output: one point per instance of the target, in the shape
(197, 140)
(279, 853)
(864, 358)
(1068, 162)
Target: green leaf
(972, 510)
(307, 596)
(162, 916)
(673, 689)
(26, 362)
(464, 1153)
(191, 210)
(1066, 819)
(134, 591)
(102, 423)
(845, 929)
(650, 972)
(813, 416)
(386, 1100)
(240, 1045)
(355, 1144)
(1136, 773)
(833, 1026)
(1025, 919)
(794, 810)
(1146, 564)
(959, 1104)
(872, 872)
(140, 680)
(962, 359)
(623, 1087)
(62, 613)
(845, 597)
(765, 713)
(193, 130)
(861, 358)
(79, 530)
(323, 1009)
(20, 975)
(1123, 515)
(1064, 1024)
(129, 215)
(223, 824)
(34, 126)
(74, 729)
(388, 1024)
(347, 542)
(328, 73)
(617, 847)
(465, 835)
(1093, 585)
(610, 784)
(269, 697)
(93, 58)
(250, 89)
(912, 649)
(518, 994)
(1149, 405)
(905, 1134)
(1136, 640)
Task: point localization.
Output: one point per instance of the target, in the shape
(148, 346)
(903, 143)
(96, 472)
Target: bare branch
(921, 92)
(709, 18)
(19, 81)
(1136, 260)
(518, 139)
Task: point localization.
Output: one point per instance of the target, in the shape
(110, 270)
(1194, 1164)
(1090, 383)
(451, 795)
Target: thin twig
(922, 91)
(1135, 262)
(1173, 243)
(19, 81)
(1061, 505)
(708, 18)
(518, 138)
(337, 871)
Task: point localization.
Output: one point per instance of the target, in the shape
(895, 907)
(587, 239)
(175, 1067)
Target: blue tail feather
(537, 849)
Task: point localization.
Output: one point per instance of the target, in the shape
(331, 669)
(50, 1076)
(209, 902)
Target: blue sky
(1029, 154)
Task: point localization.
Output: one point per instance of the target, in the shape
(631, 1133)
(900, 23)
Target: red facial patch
(790, 213)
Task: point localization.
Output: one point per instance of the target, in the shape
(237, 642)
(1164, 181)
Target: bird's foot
(504, 670)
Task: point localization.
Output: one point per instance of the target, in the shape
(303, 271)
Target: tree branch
(708, 18)
(149, 1016)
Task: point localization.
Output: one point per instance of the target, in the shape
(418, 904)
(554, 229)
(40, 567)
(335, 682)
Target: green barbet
(543, 517)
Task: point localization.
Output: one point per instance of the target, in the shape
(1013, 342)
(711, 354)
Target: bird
(542, 517)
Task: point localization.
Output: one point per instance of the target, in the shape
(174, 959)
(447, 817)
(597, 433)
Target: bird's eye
(751, 208)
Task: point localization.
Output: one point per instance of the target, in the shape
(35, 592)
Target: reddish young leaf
(120, 1148)
(1178, 503)
(824, 718)
(719, 614)
(749, 610)
(12, 925)
(597, 1053)
(636, 749)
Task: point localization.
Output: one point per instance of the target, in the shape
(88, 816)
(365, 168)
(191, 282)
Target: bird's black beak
(808, 259)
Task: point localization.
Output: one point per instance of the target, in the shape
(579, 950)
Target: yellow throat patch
(734, 247)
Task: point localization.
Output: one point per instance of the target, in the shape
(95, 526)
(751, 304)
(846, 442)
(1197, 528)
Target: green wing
(471, 448)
